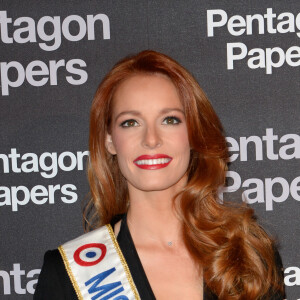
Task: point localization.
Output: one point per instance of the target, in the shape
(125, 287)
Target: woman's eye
(171, 121)
(129, 123)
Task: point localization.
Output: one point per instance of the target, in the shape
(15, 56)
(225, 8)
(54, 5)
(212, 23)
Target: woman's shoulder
(54, 282)
(52, 256)
(52, 261)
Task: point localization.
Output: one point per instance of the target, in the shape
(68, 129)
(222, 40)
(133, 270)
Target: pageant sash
(97, 268)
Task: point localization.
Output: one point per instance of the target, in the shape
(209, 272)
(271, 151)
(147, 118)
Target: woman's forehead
(146, 91)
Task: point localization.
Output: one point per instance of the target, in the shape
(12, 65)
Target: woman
(157, 159)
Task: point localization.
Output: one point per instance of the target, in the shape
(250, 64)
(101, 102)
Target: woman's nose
(151, 138)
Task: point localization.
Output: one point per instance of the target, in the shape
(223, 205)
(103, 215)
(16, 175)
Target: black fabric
(54, 282)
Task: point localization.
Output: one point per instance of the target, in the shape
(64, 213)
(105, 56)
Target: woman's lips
(152, 162)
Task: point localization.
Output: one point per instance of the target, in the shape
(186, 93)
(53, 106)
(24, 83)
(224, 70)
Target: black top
(54, 282)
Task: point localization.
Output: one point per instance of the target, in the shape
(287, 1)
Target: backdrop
(245, 55)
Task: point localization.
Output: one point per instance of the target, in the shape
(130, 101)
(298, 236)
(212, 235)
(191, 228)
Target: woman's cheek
(124, 145)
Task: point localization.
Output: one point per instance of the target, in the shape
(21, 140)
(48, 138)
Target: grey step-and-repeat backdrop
(245, 55)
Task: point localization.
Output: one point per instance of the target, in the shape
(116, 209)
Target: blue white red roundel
(89, 254)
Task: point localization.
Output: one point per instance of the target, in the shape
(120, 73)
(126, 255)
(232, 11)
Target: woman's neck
(152, 219)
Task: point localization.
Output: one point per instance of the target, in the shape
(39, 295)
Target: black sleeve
(54, 282)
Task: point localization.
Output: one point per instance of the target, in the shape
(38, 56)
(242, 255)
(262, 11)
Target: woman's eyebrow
(127, 112)
(167, 110)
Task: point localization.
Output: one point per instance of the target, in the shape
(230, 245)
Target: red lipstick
(152, 162)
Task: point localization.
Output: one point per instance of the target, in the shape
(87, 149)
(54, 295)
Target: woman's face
(149, 133)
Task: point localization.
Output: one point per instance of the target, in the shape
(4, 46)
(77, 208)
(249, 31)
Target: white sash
(97, 268)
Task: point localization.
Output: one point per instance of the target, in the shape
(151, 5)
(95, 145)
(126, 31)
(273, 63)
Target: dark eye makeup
(171, 120)
(129, 123)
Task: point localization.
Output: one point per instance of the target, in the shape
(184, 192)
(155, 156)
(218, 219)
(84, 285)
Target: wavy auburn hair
(234, 252)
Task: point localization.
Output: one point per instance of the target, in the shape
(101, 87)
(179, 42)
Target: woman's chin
(156, 185)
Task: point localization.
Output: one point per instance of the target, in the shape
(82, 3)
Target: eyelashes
(129, 123)
(169, 120)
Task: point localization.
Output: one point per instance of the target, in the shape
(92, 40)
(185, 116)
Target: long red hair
(235, 253)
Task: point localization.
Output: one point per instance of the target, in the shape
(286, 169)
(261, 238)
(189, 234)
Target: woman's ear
(109, 145)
